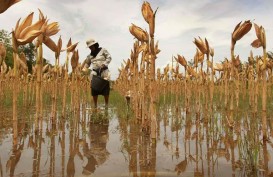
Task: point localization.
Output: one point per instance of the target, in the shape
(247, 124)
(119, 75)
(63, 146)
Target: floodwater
(111, 143)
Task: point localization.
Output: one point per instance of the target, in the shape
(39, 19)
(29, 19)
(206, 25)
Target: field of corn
(211, 119)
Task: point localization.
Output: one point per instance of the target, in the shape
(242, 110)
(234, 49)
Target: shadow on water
(111, 143)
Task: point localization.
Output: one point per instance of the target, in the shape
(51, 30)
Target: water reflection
(94, 147)
(14, 158)
(111, 143)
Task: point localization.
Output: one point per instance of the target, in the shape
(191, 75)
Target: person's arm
(107, 56)
(86, 63)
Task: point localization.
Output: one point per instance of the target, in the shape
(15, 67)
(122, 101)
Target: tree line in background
(28, 50)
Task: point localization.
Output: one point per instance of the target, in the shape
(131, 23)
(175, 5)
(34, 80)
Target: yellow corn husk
(45, 68)
(191, 72)
(62, 70)
(258, 31)
(39, 40)
(41, 15)
(147, 12)
(52, 29)
(34, 69)
(142, 47)
(60, 43)
(71, 48)
(44, 26)
(16, 27)
(152, 27)
(4, 67)
(180, 76)
(14, 42)
(25, 23)
(59, 47)
(269, 64)
(136, 45)
(263, 67)
(50, 44)
(74, 60)
(200, 45)
(177, 68)
(201, 74)
(263, 38)
(69, 43)
(158, 74)
(211, 52)
(166, 69)
(236, 61)
(181, 59)
(29, 38)
(127, 64)
(218, 67)
(256, 43)
(195, 61)
(139, 33)
(157, 50)
(251, 58)
(260, 62)
(209, 64)
(227, 64)
(20, 63)
(149, 16)
(147, 57)
(241, 29)
(37, 26)
(207, 47)
(5, 4)
(77, 56)
(3, 53)
(132, 55)
(200, 56)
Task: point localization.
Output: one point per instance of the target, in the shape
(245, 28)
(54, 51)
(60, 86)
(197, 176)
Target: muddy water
(111, 143)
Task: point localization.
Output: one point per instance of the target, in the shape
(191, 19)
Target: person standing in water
(99, 59)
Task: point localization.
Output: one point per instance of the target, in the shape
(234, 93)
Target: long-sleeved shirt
(102, 58)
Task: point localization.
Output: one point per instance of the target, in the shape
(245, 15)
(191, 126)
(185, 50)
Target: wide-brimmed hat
(90, 42)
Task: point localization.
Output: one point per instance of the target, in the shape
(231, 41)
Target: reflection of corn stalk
(249, 149)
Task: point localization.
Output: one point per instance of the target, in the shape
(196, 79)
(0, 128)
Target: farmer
(100, 59)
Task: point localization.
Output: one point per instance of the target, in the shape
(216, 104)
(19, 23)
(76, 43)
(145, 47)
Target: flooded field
(200, 116)
(111, 143)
